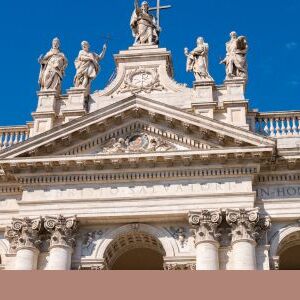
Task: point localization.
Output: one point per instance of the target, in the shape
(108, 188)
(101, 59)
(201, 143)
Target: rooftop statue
(87, 66)
(144, 26)
(236, 60)
(53, 66)
(197, 60)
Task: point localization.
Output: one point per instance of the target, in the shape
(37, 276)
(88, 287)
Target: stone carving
(62, 230)
(137, 142)
(205, 224)
(89, 242)
(179, 267)
(141, 80)
(53, 66)
(24, 233)
(197, 61)
(247, 224)
(180, 235)
(144, 26)
(87, 66)
(236, 57)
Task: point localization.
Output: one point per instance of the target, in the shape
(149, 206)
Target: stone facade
(148, 164)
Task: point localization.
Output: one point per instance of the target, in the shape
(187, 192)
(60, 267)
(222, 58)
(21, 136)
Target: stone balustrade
(278, 124)
(11, 135)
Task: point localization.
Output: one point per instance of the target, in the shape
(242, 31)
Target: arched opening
(289, 252)
(135, 251)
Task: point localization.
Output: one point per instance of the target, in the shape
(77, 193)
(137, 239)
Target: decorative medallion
(141, 80)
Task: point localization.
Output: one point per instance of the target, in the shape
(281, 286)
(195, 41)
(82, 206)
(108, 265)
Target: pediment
(137, 125)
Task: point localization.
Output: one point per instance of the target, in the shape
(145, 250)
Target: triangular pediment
(137, 125)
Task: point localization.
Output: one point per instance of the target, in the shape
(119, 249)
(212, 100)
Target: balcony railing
(278, 124)
(11, 135)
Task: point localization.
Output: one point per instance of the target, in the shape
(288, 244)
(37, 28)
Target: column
(24, 238)
(246, 229)
(62, 242)
(206, 225)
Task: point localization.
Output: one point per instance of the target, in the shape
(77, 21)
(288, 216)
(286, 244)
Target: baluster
(11, 139)
(278, 132)
(272, 129)
(26, 135)
(298, 125)
(266, 128)
(16, 138)
(1, 140)
(294, 128)
(21, 137)
(5, 140)
(288, 126)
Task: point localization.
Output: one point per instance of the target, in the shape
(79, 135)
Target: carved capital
(247, 224)
(63, 230)
(24, 233)
(205, 224)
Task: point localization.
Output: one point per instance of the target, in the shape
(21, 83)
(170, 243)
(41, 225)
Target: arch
(162, 235)
(280, 236)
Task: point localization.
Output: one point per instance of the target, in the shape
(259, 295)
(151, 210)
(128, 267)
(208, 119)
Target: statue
(53, 66)
(87, 66)
(144, 26)
(197, 60)
(236, 60)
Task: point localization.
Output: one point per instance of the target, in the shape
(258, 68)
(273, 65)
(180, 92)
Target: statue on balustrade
(236, 57)
(87, 66)
(53, 66)
(144, 26)
(197, 60)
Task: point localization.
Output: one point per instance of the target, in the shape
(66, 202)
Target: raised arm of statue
(102, 54)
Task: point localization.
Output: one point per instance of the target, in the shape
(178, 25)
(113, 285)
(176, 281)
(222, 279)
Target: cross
(158, 8)
(107, 38)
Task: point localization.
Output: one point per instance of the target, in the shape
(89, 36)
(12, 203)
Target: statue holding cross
(145, 27)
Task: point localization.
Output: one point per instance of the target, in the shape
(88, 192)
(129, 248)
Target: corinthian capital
(247, 224)
(63, 230)
(24, 233)
(206, 223)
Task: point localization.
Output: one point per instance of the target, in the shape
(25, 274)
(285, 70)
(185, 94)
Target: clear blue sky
(272, 28)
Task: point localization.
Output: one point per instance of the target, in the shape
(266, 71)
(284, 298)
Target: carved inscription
(278, 192)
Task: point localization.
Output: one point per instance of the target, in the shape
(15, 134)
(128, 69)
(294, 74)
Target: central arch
(135, 251)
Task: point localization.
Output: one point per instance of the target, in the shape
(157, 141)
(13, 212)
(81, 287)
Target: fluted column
(62, 242)
(24, 239)
(246, 228)
(206, 224)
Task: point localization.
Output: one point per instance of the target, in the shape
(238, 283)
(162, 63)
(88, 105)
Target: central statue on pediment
(144, 26)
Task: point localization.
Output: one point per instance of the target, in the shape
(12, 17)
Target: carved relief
(247, 224)
(141, 80)
(180, 235)
(89, 242)
(63, 230)
(137, 142)
(179, 267)
(24, 233)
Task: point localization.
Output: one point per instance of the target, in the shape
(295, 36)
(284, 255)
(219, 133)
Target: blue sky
(272, 28)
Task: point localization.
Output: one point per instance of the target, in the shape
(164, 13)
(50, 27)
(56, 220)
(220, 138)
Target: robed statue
(53, 66)
(144, 26)
(87, 66)
(197, 60)
(236, 57)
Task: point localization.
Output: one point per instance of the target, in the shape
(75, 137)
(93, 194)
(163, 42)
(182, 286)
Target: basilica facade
(149, 174)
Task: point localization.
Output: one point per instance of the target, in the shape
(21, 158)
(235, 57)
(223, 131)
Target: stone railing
(278, 124)
(12, 135)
